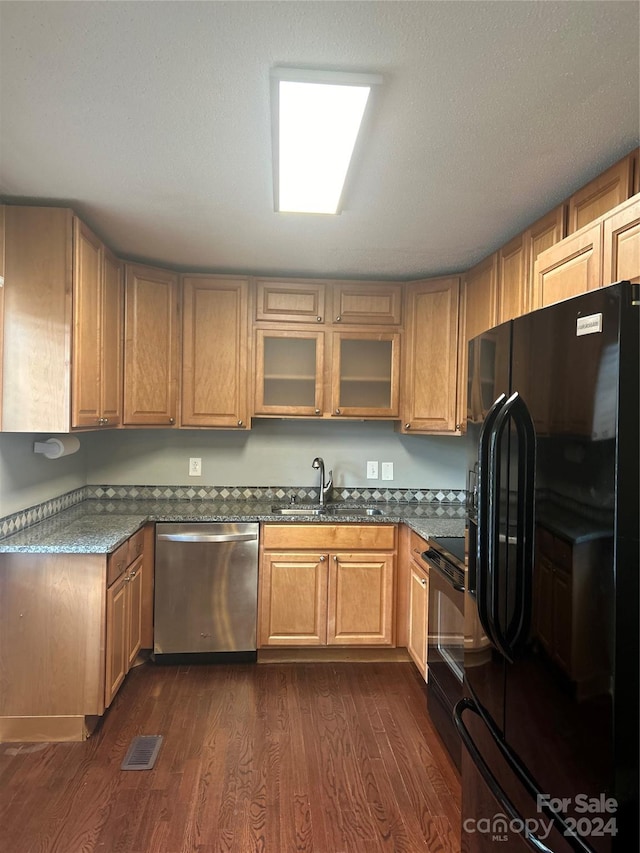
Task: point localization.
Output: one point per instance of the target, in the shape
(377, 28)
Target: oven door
(445, 652)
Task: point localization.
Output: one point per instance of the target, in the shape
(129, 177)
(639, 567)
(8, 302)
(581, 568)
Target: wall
(27, 478)
(275, 453)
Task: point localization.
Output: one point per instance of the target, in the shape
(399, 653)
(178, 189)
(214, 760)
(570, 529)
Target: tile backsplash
(25, 518)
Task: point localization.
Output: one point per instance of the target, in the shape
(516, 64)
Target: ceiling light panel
(319, 115)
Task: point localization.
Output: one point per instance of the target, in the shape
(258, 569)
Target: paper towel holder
(54, 448)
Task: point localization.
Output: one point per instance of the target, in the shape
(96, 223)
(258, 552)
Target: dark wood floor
(276, 758)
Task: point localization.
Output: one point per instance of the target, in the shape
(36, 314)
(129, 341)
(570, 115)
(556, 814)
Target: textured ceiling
(152, 119)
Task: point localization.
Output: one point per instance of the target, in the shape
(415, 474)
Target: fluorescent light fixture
(317, 121)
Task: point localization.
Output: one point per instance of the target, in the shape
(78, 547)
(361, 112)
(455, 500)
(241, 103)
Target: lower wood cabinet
(418, 616)
(314, 593)
(123, 627)
(70, 627)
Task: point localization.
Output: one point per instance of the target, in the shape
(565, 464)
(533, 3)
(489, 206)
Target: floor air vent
(142, 753)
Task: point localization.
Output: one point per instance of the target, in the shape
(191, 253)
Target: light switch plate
(387, 470)
(372, 470)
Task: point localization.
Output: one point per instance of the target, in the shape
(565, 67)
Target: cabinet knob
(338, 319)
(317, 411)
(322, 558)
(407, 426)
(458, 426)
(335, 558)
(423, 583)
(337, 411)
(172, 420)
(318, 319)
(105, 421)
(240, 423)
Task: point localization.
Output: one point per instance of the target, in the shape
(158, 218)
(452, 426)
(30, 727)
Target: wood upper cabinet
(333, 371)
(314, 593)
(429, 399)
(608, 190)
(621, 252)
(289, 372)
(365, 379)
(62, 325)
(370, 304)
(151, 346)
(97, 332)
(481, 296)
(214, 352)
(290, 301)
(569, 268)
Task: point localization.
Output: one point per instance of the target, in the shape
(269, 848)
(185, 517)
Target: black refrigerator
(549, 720)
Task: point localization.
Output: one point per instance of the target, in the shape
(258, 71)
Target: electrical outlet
(372, 470)
(195, 466)
(387, 470)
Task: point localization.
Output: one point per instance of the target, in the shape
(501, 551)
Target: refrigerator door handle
(518, 628)
(484, 532)
(493, 528)
(575, 842)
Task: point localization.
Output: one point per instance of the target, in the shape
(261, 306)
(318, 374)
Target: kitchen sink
(350, 510)
(298, 510)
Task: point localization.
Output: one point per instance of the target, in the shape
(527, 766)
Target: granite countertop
(100, 526)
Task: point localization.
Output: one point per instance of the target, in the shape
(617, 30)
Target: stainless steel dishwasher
(206, 592)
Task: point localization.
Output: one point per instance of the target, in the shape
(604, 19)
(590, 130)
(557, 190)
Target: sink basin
(349, 510)
(298, 510)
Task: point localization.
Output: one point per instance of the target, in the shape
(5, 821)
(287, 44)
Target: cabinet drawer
(329, 537)
(117, 562)
(136, 545)
(416, 546)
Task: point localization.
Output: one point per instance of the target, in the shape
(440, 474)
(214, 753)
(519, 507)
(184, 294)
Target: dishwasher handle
(207, 537)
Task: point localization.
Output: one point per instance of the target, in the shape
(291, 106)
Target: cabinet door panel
(151, 346)
(621, 259)
(289, 372)
(87, 307)
(293, 599)
(117, 658)
(134, 610)
(430, 387)
(111, 339)
(569, 268)
(481, 295)
(608, 190)
(366, 373)
(361, 303)
(360, 606)
(290, 301)
(214, 357)
(418, 616)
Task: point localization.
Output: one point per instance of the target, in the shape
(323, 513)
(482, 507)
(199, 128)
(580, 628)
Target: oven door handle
(443, 575)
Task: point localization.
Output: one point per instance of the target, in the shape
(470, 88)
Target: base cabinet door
(134, 611)
(117, 657)
(293, 599)
(360, 607)
(418, 617)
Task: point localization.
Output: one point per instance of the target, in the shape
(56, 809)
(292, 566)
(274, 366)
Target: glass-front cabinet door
(289, 372)
(365, 376)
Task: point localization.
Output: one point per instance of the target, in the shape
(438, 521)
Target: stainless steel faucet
(325, 488)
